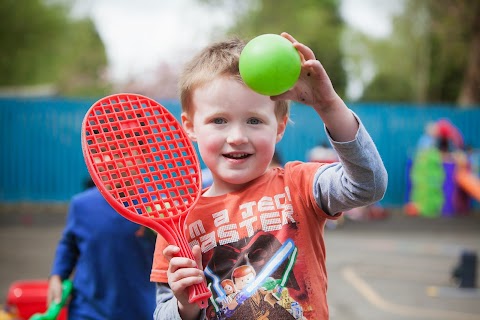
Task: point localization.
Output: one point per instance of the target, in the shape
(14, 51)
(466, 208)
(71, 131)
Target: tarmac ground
(395, 268)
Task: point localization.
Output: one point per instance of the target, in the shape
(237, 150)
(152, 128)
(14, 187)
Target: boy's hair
(220, 59)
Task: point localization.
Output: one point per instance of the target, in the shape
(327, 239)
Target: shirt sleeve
(359, 179)
(167, 307)
(159, 265)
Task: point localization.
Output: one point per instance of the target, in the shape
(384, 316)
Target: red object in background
(27, 297)
(446, 130)
(411, 209)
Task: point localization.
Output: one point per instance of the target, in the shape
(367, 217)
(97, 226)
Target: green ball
(270, 64)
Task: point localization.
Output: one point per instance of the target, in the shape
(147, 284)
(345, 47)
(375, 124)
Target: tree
(316, 23)
(470, 89)
(433, 54)
(45, 45)
(84, 62)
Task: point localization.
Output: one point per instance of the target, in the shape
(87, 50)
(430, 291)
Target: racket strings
(142, 156)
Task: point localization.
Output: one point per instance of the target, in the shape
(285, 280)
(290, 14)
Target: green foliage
(84, 62)
(316, 23)
(387, 87)
(31, 33)
(42, 44)
(426, 57)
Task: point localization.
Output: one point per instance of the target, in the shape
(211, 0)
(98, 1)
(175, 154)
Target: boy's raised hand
(182, 273)
(313, 87)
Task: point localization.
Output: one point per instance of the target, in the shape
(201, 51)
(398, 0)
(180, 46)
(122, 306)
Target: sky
(370, 16)
(141, 34)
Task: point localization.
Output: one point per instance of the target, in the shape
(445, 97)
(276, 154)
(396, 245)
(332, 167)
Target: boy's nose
(236, 136)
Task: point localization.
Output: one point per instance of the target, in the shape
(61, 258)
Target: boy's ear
(282, 125)
(187, 124)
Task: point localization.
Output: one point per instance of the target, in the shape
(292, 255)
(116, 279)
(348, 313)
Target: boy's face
(236, 130)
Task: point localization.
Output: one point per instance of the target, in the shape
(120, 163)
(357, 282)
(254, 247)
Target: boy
(269, 221)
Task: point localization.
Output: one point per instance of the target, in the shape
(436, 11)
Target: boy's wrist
(189, 311)
(329, 106)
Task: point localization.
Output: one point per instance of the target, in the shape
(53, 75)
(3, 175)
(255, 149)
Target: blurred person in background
(322, 152)
(110, 259)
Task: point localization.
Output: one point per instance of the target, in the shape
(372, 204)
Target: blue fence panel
(394, 128)
(41, 157)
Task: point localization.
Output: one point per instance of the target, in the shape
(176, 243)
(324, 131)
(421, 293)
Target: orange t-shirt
(263, 248)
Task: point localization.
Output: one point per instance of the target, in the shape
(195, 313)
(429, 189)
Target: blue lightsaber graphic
(275, 261)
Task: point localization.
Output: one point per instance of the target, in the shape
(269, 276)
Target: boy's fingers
(197, 253)
(288, 36)
(305, 52)
(182, 273)
(170, 251)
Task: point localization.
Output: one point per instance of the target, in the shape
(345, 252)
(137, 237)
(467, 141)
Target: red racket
(145, 166)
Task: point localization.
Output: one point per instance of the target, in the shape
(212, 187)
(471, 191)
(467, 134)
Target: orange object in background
(468, 182)
(27, 297)
(411, 209)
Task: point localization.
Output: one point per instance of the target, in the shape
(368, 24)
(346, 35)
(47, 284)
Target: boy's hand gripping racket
(145, 166)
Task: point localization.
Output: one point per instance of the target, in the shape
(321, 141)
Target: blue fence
(41, 157)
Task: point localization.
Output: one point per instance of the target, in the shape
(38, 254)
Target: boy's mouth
(236, 155)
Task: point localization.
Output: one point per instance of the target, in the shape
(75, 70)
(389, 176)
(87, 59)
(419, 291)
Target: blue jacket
(110, 258)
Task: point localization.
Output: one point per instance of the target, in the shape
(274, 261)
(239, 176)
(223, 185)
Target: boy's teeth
(237, 156)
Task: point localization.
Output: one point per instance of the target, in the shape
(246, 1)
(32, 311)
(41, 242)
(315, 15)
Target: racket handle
(199, 294)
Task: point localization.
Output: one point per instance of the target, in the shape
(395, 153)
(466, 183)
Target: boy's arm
(359, 179)
(167, 305)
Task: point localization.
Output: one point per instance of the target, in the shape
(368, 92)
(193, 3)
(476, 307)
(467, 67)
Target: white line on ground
(379, 302)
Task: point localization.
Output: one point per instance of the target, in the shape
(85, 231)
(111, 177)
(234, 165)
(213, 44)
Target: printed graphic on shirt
(257, 285)
(250, 255)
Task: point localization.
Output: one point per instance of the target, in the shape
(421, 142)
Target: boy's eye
(254, 121)
(218, 121)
